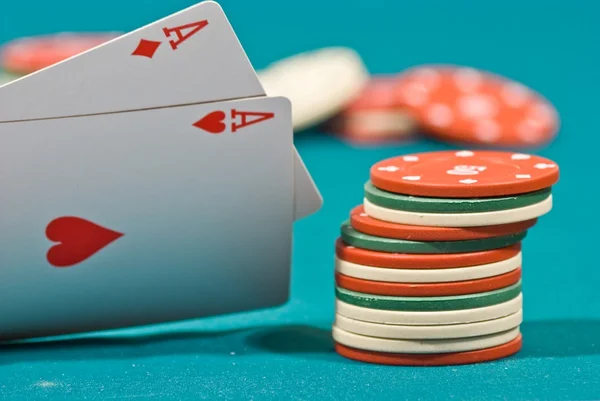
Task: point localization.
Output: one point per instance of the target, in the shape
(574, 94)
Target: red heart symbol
(77, 238)
(212, 122)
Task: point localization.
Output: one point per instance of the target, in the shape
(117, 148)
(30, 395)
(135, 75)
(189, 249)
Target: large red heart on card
(77, 238)
(212, 122)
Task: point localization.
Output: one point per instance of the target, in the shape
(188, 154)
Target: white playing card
(189, 57)
(192, 56)
(142, 217)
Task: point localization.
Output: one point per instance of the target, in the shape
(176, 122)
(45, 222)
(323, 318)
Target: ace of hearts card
(144, 217)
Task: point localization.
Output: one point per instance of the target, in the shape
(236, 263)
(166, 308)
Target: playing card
(147, 216)
(307, 198)
(192, 56)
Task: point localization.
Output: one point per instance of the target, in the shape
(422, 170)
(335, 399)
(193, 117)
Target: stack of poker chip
(428, 268)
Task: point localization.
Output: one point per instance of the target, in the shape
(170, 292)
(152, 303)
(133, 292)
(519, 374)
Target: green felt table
(287, 353)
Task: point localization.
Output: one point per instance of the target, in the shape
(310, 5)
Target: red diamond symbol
(146, 48)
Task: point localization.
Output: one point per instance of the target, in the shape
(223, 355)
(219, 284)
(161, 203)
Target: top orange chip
(26, 55)
(464, 174)
(466, 105)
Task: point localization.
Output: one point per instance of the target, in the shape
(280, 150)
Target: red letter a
(194, 26)
(260, 117)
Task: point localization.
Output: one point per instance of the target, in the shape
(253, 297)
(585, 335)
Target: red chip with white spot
(466, 105)
(464, 174)
(26, 55)
(373, 116)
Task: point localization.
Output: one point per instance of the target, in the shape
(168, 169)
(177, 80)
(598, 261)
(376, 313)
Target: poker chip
(26, 55)
(360, 240)
(410, 203)
(393, 260)
(373, 116)
(399, 332)
(459, 219)
(318, 83)
(364, 223)
(427, 275)
(464, 105)
(428, 289)
(447, 275)
(406, 288)
(464, 174)
(423, 346)
(429, 318)
(428, 269)
(424, 304)
(457, 358)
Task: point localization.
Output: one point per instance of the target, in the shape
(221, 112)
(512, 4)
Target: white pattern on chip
(543, 166)
(477, 106)
(415, 94)
(428, 77)
(467, 79)
(412, 177)
(464, 153)
(487, 130)
(514, 94)
(528, 132)
(520, 156)
(542, 113)
(439, 115)
(390, 169)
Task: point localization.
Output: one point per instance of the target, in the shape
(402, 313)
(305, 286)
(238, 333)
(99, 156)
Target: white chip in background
(318, 83)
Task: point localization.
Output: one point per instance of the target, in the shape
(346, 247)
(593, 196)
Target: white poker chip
(381, 123)
(318, 83)
(427, 275)
(430, 318)
(459, 219)
(438, 346)
(466, 330)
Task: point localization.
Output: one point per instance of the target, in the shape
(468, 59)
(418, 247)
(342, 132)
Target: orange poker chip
(366, 257)
(457, 358)
(469, 106)
(429, 289)
(464, 174)
(364, 223)
(26, 55)
(373, 116)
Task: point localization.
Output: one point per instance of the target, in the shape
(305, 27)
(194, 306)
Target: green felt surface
(287, 353)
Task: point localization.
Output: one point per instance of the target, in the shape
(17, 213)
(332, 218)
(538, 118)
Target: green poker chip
(409, 203)
(359, 240)
(429, 304)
